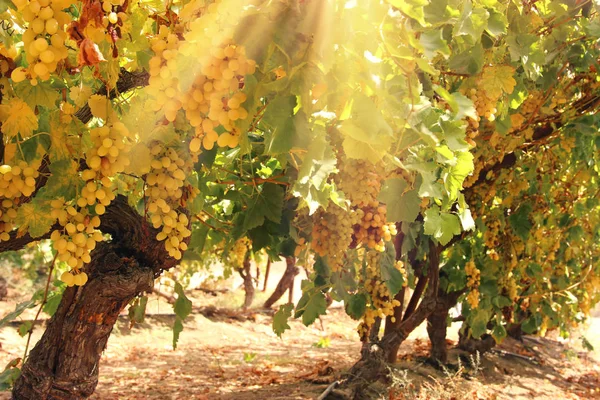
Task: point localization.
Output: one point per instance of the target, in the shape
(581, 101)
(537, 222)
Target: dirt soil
(234, 355)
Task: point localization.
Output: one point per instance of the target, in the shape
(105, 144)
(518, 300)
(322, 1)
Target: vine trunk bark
(374, 358)
(246, 274)
(437, 325)
(64, 364)
(286, 281)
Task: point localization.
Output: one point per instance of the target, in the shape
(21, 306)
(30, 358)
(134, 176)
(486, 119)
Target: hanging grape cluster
(16, 182)
(381, 303)
(332, 233)
(75, 240)
(165, 189)
(44, 39)
(108, 157)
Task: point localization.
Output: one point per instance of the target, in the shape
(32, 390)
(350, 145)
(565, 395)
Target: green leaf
(402, 205)
(19, 308)
(42, 94)
(8, 378)
(433, 43)
(183, 305)
(24, 328)
(182, 308)
(478, 320)
(532, 324)
(412, 8)
(499, 333)
(266, 204)
(52, 302)
(389, 274)
(279, 118)
(519, 221)
(458, 173)
(281, 317)
(356, 305)
(442, 226)
(177, 329)
(310, 306)
(497, 23)
(137, 311)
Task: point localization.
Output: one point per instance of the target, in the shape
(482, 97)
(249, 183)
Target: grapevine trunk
(285, 282)
(64, 363)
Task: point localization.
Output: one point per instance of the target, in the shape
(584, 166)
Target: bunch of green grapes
(16, 181)
(165, 190)
(44, 39)
(107, 157)
(332, 233)
(381, 302)
(75, 240)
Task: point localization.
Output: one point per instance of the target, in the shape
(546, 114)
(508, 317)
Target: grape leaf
(182, 308)
(42, 94)
(34, 217)
(100, 106)
(19, 308)
(268, 204)
(442, 226)
(498, 79)
(389, 273)
(281, 317)
(310, 306)
(64, 181)
(519, 221)
(356, 305)
(402, 205)
(17, 117)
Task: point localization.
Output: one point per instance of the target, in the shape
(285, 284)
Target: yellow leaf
(140, 160)
(497, 79)
(80, 94)
(17, 117)
(34, 218)
(100, 106)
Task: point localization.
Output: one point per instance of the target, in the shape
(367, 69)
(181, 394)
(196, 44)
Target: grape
(113, 18)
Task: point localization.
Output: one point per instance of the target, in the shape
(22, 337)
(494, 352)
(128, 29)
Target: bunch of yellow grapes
(332, 233)
(484, 105)
(76, 239)
(372, 230)
(360, 180)
(165, 182)
(381, 302)
(239, 250)
(44, 39)
(108, 157)
(163, 84)
(473, 279)
(16, 181)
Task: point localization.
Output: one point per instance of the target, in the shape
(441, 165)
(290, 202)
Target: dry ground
(241, 358)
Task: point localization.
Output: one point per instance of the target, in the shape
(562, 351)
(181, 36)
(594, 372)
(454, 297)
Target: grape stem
(43, 303)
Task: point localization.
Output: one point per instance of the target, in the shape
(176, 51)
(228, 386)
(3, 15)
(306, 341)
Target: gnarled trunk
(246, 275)
(374, 358)
(285, 283)
(64, 364)
(437, 325)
